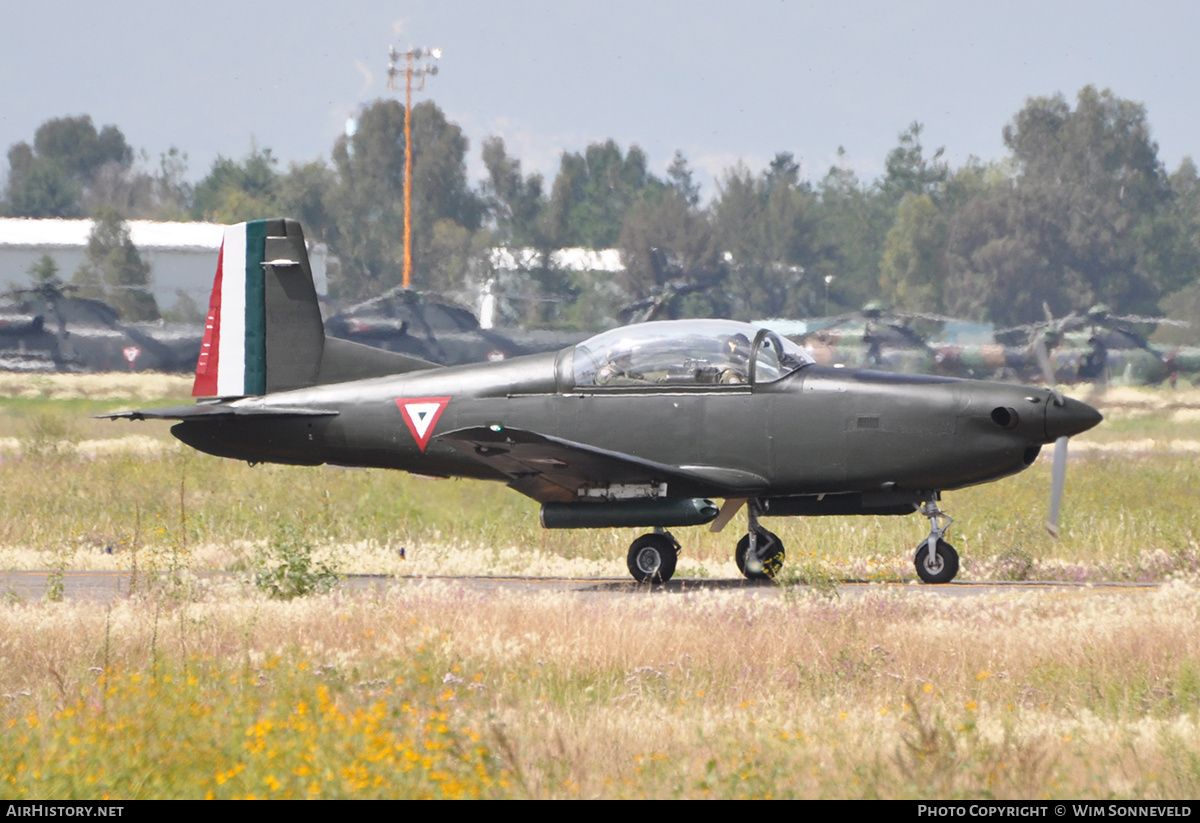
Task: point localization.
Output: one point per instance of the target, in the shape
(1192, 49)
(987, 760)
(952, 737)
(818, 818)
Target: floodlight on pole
(410, 70)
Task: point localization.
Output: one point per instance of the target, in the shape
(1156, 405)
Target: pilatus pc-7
(641, 426)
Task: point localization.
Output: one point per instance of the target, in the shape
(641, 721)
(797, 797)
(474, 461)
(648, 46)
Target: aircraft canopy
(683, 353)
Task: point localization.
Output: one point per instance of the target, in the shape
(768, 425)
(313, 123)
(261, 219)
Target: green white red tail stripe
(232, 359)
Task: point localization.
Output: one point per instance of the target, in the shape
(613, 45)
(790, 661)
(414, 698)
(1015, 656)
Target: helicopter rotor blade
(1158, 321)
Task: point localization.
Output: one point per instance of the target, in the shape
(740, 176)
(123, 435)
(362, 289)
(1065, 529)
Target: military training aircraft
(641, 426)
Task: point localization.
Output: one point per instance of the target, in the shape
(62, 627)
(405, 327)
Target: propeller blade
(1058, 478)
(729, 508)
(1043, 357)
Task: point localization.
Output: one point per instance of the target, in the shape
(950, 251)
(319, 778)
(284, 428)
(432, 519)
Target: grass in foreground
(429, 689)
(147, 503)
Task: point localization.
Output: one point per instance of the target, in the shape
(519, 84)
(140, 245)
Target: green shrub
(286, 568)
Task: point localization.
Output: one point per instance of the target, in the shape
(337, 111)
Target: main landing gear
(652, 557)
(936, 560)
(760, 553)
(759, 556)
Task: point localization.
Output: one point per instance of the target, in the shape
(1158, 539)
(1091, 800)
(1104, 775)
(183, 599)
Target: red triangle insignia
(421, 415)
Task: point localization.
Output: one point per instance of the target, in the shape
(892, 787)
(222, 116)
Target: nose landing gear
(936, 560)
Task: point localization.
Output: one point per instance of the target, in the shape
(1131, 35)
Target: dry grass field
(428, 689)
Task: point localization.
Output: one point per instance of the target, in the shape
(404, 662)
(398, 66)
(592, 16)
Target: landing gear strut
(652, 557)
(936, 560)
(760, 553)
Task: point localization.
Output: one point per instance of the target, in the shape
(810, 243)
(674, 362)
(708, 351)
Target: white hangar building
(182, 256)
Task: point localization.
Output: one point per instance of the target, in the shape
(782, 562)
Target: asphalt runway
(108, 586)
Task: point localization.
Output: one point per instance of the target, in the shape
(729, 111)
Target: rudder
(264, 331)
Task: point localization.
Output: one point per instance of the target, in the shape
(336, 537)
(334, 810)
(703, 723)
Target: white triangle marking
(421, 415)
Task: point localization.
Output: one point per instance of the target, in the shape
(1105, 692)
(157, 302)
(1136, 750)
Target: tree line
(1080, 211)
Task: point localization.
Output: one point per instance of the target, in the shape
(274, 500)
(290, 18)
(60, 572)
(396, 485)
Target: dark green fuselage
(816, 431)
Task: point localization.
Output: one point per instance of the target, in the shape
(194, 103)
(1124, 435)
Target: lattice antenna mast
(409, 69)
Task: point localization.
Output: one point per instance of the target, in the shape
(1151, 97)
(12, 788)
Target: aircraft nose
(1070, 418)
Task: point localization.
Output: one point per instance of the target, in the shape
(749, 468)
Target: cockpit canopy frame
(685, 355)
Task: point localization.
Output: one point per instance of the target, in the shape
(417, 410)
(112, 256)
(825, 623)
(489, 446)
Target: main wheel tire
(941, 568)
(772, 555)
(652, 558)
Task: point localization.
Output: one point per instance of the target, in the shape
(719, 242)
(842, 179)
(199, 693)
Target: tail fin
(264, 331)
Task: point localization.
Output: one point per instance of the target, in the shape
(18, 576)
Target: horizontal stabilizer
(212, 411)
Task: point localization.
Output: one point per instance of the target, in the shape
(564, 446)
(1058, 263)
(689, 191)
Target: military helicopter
(49, 329)
(640, 426)
(874, 338)
(423, 325)
(1096, 346)
(25, 343)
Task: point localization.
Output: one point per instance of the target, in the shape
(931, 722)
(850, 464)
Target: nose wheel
(652, 557)
(936, 560)
(940, 566)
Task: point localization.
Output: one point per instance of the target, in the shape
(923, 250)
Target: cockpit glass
(685, 353)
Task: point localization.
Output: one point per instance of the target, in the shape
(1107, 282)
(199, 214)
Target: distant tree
(782, 172)
(172, 194)
(912, 266)
(766, 229)
(1102, 148)
(68, 157)
(1077, 223)
(513, 203)
(668, 241)
(234, 191)
(915, 262)
(679, 178)
(366, 198)
(909, 172)
(851, 222)
(303, 194)
(1171, 248)
(37, 189)
(114, 270)
(44, 270)
(75, 145)
(367, 201)
(440, 187)
(453, 257)
(592, 193)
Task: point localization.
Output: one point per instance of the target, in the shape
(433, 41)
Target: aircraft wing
(213, 411)
(551, 469)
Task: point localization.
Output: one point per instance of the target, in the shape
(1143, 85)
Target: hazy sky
(722, 81)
